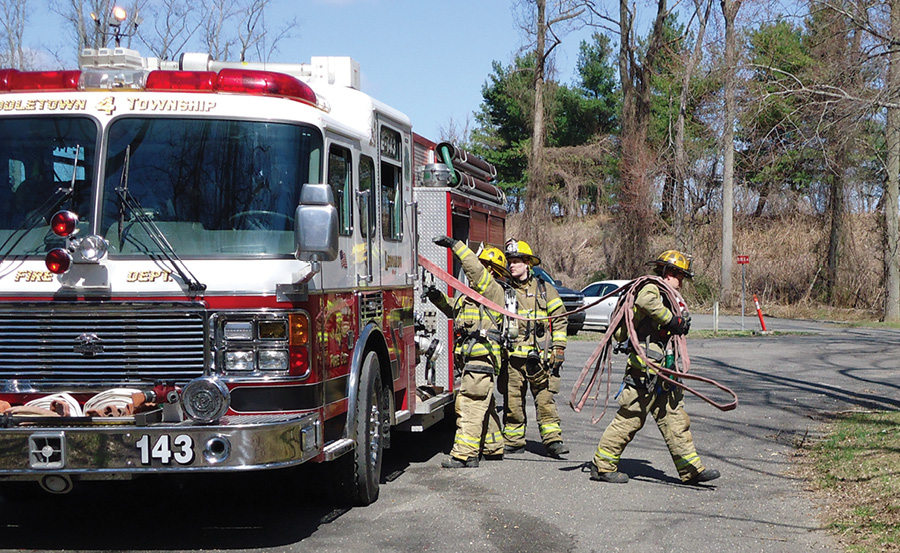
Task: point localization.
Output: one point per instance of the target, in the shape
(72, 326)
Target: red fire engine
(210, 266)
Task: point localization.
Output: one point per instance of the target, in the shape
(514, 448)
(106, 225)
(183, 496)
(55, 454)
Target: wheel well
(377, 344)
(371, 339)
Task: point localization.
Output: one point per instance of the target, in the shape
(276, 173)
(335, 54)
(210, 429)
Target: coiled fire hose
(600, 361)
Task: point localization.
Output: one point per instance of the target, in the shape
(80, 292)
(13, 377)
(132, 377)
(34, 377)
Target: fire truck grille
(109, 342)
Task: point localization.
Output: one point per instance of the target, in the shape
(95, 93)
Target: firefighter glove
(444, 240)
(678, 325)
(433, 294)
(559, 357)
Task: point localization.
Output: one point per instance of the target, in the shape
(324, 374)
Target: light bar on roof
(181, 80)
(240, 81)
(248, 81)
(14, 80)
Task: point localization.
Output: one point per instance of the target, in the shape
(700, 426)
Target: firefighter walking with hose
(536, 356)
(477, 353)
(655, 321)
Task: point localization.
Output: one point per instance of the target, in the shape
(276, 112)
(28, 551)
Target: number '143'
(166, 449)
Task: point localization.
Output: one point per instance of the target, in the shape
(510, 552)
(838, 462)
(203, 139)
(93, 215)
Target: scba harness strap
(469, 339)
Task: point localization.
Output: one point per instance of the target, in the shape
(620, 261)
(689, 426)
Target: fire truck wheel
(359, 473)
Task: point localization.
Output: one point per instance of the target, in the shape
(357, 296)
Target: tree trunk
(836, 209)
(534, 204)
(636, 216)
(892, 179)
(729, 11)
(681, 163)
(764, 190)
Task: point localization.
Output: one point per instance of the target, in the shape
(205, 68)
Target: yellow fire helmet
(520, 248)
(494, 259)
(676, 260)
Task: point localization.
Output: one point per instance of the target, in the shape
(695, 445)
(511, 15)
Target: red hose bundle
(600, 361)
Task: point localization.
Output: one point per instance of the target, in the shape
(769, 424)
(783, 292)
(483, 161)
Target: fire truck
(211, 266)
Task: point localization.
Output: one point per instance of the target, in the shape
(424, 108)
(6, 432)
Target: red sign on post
(743, 259)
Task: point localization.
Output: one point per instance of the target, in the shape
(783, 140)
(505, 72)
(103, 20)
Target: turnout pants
(476, 417)
(544, 389)
(667, 408)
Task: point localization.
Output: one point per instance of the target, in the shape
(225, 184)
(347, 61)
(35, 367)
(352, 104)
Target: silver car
(597, 317)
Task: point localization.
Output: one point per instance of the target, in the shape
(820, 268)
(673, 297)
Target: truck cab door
(340, 177)
(366, 252)
(395, 187)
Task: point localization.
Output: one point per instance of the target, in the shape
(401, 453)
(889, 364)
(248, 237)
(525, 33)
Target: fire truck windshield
(39, 156)
(214, 188)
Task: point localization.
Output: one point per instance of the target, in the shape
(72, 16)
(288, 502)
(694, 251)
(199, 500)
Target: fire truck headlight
(92, 248)
(239, 330)
(205, 399)
(239, 361)
(275, 329)
(273, 360)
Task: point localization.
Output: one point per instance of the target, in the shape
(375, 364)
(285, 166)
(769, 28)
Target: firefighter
(536, 356)
(477, 354)
(642, 394)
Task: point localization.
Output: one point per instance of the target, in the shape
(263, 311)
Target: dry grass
(786, 269)
(787, 260)
(573, 252)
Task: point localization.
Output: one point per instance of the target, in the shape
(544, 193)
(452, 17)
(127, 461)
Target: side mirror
(316, 224)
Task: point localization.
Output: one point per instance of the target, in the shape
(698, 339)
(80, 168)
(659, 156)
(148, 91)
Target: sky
(426, 58)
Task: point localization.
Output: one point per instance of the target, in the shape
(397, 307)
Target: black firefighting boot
(454, 463)
(705, 476)
(513, 449)
(556, 449)
(493, 456)
(611, 477)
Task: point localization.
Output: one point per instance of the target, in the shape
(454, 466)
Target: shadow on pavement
(224, 511)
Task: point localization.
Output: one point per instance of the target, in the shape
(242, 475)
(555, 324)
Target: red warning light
(58, 261)
(63, 223)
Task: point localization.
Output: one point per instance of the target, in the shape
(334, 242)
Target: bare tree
(174, 24)
(892, 178)
(868, 17)
(456, 131)
(637, 165)
(547, 24)
(240, 27)
(837, 48)
(702, 10)
(15, 18)
(219, 14)
(729, 11)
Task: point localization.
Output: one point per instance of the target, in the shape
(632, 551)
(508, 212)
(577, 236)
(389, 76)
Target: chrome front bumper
(250, 442)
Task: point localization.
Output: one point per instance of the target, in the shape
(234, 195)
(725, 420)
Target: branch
(613, 29)
(827, 91)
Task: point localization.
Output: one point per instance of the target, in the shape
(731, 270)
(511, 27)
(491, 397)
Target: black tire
(359, 473)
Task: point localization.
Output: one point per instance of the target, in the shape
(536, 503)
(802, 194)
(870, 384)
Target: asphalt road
(786, 384)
